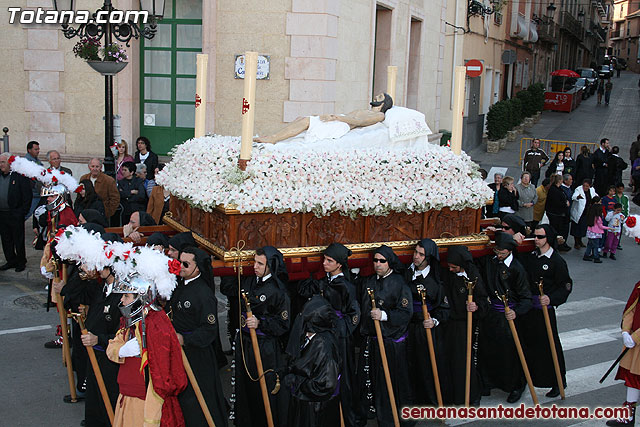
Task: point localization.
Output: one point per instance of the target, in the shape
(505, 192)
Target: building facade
(625, 33)
(324, 57)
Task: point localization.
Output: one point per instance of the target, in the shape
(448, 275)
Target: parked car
(605, 72)
(583, 84)
(592, 79)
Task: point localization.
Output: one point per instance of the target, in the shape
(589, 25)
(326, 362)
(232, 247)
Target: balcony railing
(548, 31)
(571, 24)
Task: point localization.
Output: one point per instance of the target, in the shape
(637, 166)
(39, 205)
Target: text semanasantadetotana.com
(518, 412)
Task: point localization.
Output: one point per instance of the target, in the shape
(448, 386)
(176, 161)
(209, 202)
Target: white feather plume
(28, 168)
(81, 246)
(120, 258)
(33, 170)
(635, 231)
(154, 266)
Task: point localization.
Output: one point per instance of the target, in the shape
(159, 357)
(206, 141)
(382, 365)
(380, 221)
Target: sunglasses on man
(379, 260)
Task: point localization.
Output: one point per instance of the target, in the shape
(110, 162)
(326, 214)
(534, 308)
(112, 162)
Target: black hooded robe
(557, 285)
(270, 304)
(455, 331)
(340, 294)
(194, 314)
(314, 379)
(103, 320)
(392, 295)
(499, 362)
(422, 380)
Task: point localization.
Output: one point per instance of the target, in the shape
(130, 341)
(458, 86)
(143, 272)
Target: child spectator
(595, 229)
(615, 218)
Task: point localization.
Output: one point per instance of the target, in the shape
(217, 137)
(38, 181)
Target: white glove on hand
(40, 210)
(46, 273)
(627, 340)
(130, 349)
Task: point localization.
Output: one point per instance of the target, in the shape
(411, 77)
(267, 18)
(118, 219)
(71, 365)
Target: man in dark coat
(423, 275)
(461, 270)
(15, 202)
(503, 275)
(194, 312)
(269, 302)
(600, 161)
(314, 377)
(393, 310)
(336, 288)
(545, 264)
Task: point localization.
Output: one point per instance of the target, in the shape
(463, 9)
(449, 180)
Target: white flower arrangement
(204, 172)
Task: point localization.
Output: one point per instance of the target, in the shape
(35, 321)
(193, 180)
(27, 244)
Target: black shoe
(57, 343)
(6, 266)
(597, 261)
(564, 248)
(515, 395)
(587, 258)
(554, 392)
(612, 256)
(20, 268)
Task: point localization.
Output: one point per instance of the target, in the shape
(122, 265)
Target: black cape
(455, 331)
(557, 285)
(314, 379)
(340, 294)
(422, 380)
(194, 314)
(270, 304)
(392, 295)
(499, 361)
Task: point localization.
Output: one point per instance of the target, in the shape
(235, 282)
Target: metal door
(474, 122)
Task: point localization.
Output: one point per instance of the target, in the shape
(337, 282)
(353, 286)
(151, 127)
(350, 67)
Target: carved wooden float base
(304, 234)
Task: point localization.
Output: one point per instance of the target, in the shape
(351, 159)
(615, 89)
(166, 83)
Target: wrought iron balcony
(571, 24)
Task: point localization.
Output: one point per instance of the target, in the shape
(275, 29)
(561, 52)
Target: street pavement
(35, 380)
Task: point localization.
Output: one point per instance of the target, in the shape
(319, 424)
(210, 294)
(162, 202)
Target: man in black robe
(336, 288)
(600, 161)
(314, 373)
(393, 310)
(462, 270)
(194, 312)
(546, 264)
(503, 275)
(270, 308)
(178, 242)
(423, 275)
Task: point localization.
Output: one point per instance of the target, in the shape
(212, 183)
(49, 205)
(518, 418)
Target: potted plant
(112, 61)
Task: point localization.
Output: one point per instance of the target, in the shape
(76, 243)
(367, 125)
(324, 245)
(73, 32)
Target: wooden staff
(196, 389)
(467, 384)
(62, 313)
(516, 340)
(385, 365)
(552, 343)
(96, 368)
(432, 353)
(256, 353)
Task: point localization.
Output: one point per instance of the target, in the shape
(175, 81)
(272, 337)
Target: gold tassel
(276, 389)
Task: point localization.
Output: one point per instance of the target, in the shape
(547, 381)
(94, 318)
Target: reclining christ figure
(332, 125)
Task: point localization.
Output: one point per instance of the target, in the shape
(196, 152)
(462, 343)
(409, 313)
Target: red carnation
(631, 222)
(12, 159)
(61, 172)
(59, 233)
(54, 180)
(175, 266)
